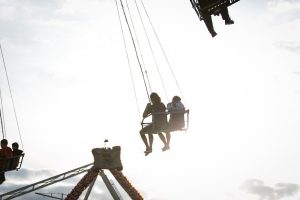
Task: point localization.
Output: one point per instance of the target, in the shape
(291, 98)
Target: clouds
(289, 45)
(288, 9)
(264, 192)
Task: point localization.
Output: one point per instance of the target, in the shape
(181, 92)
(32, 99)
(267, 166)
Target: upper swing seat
(213, 7)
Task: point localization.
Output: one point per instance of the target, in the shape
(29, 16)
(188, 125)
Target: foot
(213, 34)
(165, 148)
(229, 21)
(148, 150)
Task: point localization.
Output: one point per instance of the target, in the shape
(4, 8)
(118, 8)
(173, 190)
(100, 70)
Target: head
(154, 97)
(15, 145)
(4, 143)
(176, 99)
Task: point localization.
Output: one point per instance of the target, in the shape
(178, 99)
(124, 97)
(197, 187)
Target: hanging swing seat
(11, 164)
(178, 121)
(212, 9)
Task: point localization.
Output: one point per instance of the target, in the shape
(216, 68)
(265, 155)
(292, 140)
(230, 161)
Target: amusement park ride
(104, 158)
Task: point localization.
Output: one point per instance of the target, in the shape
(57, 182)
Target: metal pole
(90, 189)
(111, 189)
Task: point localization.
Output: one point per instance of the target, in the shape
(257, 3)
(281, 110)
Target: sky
(72, 89)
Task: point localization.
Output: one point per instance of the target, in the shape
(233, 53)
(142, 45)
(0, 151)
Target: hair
(15, 145)
(176, 98)
(4, 141)
(154, 97)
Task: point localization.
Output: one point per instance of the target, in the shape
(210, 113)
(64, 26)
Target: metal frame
(212, 9)
(186, 122)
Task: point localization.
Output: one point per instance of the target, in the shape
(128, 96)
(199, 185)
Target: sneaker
(228, 22)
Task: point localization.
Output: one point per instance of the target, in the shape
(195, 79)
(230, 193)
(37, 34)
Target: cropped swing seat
(10, 164)
(178, 121)
(213, 9)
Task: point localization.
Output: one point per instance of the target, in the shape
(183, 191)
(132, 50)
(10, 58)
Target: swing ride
(10, 160)
(109, 158)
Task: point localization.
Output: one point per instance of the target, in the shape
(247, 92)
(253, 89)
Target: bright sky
(72, 89)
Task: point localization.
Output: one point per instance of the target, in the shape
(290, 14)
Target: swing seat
(11, 164)
(178, 121)
(107, 158)
(213, 9)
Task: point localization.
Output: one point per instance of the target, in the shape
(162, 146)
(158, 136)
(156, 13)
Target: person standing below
(5, 152)
(159, 122)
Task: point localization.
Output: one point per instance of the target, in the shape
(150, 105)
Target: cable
(3, 130)
(134, 45)
(163, 52)
(11, 96)
(128, 61)
(152, 52)
(138, 46)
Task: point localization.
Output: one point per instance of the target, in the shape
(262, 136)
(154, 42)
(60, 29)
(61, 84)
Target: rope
(173, 74)
(2, 117)
(135, 49)
(152, 52)
(11, 96)
(128, 61)
(138, 45)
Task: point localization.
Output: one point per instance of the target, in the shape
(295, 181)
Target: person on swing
(207, 16)
(159, 122)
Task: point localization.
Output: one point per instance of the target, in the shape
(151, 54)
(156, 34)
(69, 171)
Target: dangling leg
(226, 17)
(162, 138)
(143, 133)
(149, 150)
(167, 144)
(209, 24)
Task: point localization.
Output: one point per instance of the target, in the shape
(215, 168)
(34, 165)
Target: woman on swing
(159, 123)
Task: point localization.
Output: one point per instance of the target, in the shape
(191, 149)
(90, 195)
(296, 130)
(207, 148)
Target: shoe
(228, 22)
(213, 34)
(165, 148)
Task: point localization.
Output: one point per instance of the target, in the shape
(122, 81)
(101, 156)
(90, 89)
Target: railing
(12, 163)
(169, 127)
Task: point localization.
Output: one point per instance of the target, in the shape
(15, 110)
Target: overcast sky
(72, 89)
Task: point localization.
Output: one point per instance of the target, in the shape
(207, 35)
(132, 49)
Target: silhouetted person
(159, 122)
(16, 155)
(5, 152)
(207, 16)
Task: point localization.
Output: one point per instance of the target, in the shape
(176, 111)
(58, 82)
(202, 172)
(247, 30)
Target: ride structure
(104, 159)
(214, 8)
(14, 162)
(158, 78)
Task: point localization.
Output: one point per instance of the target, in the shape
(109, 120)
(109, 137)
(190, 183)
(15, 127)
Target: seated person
(5, 154)
(16, 155)
(176, 121)
(159, 122)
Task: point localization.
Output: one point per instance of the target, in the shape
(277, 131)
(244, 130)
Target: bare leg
(144, 138)
(162, 138)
